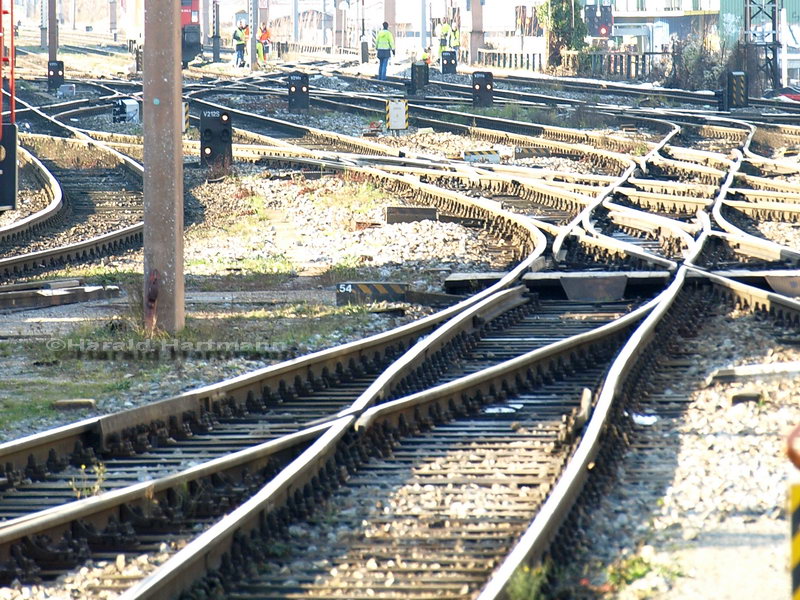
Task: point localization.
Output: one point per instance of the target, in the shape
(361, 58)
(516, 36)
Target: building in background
(651, 25)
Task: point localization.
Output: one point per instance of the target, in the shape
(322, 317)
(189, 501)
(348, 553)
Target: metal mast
(761, 39)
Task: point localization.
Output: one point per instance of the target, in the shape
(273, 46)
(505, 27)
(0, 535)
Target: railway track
(433, 497)
(432, 472)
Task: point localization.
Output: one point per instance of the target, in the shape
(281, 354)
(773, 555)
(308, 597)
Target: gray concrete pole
(52, 31)
(215, 33)
(335, 27)
(324, 19)
(389, 12)
(112, 18)
(476, 31)
(254, 24)
(295, 21)
(423, 36)
(205, 21)
(42, 24)
(163, 168)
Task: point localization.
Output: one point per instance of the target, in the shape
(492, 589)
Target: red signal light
(603, 30)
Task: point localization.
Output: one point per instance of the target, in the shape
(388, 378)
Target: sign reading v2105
(211, 114)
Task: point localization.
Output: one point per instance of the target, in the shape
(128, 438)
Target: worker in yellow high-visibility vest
(384, 44)
(444, 38)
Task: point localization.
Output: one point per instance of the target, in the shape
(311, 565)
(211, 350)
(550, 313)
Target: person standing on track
(455, 40)
(263, 44)
(444, 38)
(384, 44)
(240, 38)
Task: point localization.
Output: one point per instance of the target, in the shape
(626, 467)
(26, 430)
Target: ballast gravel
(700, 501)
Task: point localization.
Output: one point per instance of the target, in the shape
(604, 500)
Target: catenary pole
(163, 168)
(52, 31)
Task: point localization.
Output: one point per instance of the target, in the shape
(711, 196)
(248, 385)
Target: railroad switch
(125, 111)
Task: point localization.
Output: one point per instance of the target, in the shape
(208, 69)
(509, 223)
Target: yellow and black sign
(737, 89)
(185, 116)
(396, 114)
(490, 156)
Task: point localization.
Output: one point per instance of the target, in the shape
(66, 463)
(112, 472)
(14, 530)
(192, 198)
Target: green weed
(527, 583)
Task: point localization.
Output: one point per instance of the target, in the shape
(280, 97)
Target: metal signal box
(125, 111)
(482, 88)
(737, 89)
(298, 90)
(55, 74)
(419, 77)
(216, 139)
(8, 167)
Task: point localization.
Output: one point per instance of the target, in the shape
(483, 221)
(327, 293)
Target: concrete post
(52, 31)
(476, 31)
(112, 17)
(205, 21)
(163, 168)
(253, 34)
(423, 35)
(389, 14)
(215, 35)
(42, 24)
(295, 21)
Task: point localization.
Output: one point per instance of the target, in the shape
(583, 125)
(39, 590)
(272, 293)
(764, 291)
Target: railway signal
(216, 139)
(419, 77)
(448, 62)
(590, 16)
(599, 19)
(482, 88)
(605, 22)
(55, 74)
(8, 127)
(298, 90)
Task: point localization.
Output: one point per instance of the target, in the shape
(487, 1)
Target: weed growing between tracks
(528, 583)
(90, 482)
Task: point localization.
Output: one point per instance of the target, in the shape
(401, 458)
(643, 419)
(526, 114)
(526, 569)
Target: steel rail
(97, 245)
(461, 322)
(100, 508)
(52, 190)
(205, 552)
(534, 543)
(312, 367)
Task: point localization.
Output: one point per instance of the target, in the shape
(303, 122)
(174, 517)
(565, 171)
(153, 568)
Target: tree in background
(564, 26)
